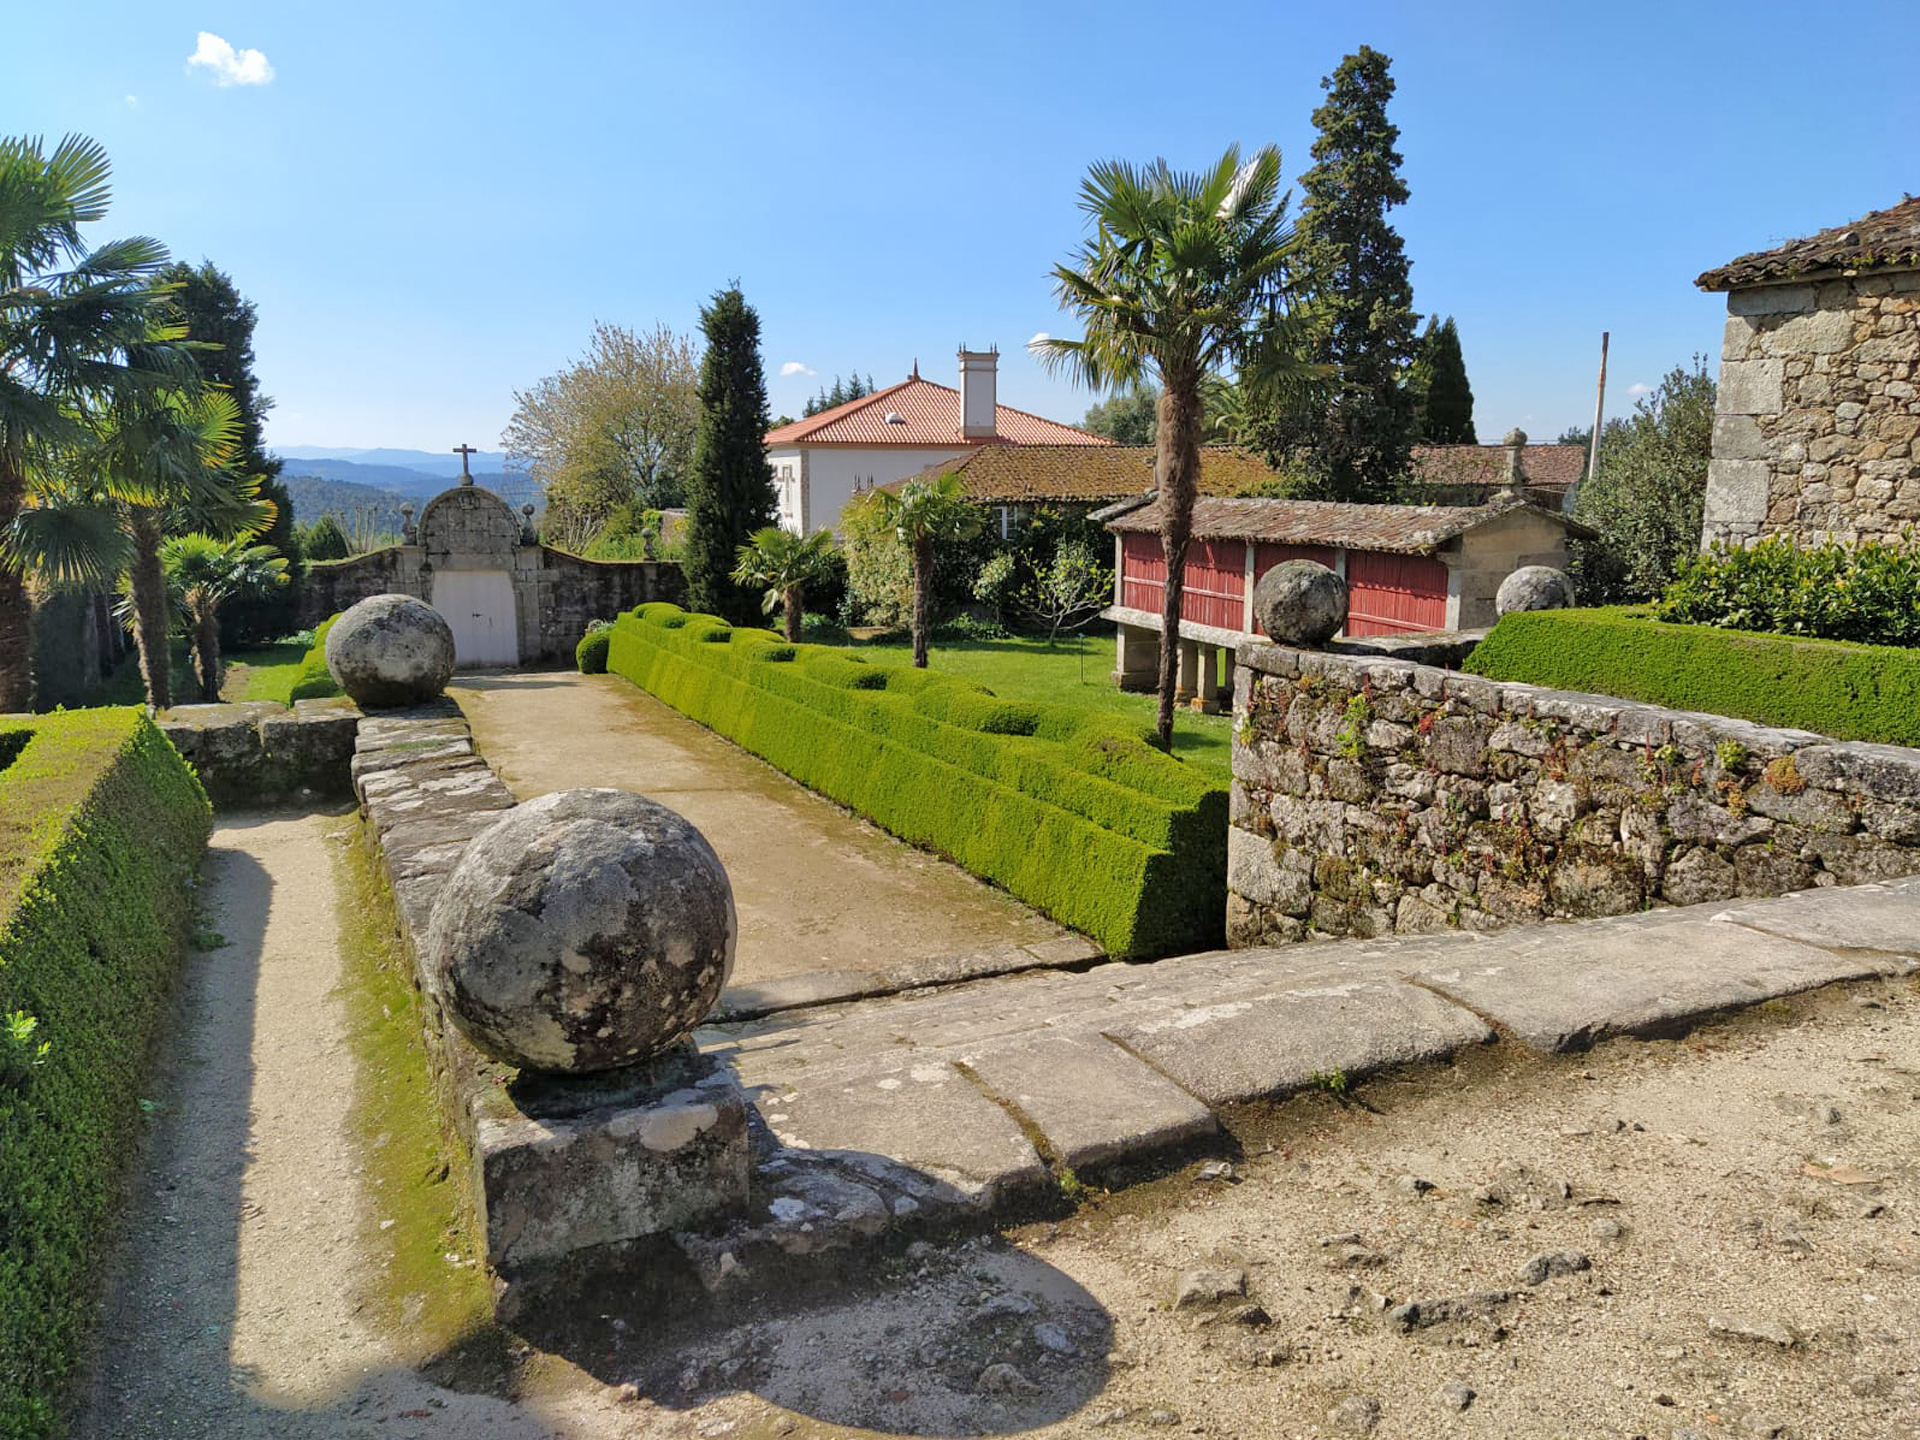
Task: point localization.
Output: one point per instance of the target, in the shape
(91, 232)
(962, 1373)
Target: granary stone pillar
(1136, 658)
(1186, 680)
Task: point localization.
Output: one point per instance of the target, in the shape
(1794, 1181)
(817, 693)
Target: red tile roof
(929, 414)
(1084, 474)
(1548, 467)
(1402, 529)
(1879, 240)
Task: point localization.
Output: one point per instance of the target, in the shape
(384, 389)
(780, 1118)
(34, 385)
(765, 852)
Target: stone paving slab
(1884, 917)
(1566, 987)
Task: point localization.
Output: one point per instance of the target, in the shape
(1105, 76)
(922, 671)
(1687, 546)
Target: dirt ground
(816, 888)
(1730, 1224)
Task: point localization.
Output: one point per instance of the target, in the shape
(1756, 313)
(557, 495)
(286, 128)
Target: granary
(507, 598)
(1816, 431)
(1408, 568)
(823, 461)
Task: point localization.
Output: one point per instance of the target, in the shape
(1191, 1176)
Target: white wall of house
(825, 477)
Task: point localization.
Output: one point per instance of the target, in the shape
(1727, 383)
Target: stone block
(1750, 387)
(1254, 874)
(563, 1167)
(1816, 332)
(1737, 491)
(1738, 437)
(1886, 772)
(1771, 300)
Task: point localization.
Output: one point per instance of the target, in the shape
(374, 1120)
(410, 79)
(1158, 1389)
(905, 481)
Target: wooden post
(1599, 408)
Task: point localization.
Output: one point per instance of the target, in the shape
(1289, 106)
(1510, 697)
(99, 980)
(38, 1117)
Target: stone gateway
(508, 599)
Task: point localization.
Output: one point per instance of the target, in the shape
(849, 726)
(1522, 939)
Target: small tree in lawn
(926, 514)
(1070, 590)
(202, 575)
(1185, 275)
(730, 490)
(783, 565)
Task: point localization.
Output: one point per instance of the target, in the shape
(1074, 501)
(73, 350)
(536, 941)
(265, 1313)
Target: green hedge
(1852, 692)
(1071, 810)
(1868, 593)
(315, 681)
(101, 827)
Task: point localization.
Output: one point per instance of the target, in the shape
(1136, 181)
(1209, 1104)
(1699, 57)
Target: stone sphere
(1301, 602)
(1534, 587)
(583, 930)
(390, 650)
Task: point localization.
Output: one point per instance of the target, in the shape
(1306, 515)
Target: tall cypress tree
(730, 490)
(1354, 439)
(1444, 397)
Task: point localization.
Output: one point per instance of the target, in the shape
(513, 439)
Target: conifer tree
(730, 490)
(1442, 394)
(1354, 437)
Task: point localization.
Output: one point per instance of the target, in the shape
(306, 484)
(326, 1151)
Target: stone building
(508, 598)
(1816, 430)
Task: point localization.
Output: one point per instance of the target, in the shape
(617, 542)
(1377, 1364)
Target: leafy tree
(614, 428)
(204, 574)
(220, 323)
(1647, 497)
(879, 570)
(1355, 437)
(78, 327)
(1442, 397)
(1184, 276)
(784, 565)
(730, 490)
(925, 514)
(325, 540)
(1125, 418)
(1075, 586)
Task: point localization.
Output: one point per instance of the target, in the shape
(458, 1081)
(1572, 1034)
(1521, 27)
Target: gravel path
(235, 1307)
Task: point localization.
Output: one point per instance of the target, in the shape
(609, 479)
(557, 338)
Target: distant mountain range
(430, 462)
(322, 481)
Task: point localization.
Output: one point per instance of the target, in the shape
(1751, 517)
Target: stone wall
(555, 594)
(1818, 418)
(260, 751)
(1373, 796)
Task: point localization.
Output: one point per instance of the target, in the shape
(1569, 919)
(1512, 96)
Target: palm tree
(923, 514)
(77, 326)
(1184, 277)
(784, 565)
(202, 575)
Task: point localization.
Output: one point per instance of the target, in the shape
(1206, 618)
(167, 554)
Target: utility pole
(1599, 407)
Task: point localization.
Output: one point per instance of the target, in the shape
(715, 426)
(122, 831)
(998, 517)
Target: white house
(823, 461)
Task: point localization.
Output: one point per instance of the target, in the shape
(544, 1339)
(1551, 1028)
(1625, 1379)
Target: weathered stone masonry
(1375, 796)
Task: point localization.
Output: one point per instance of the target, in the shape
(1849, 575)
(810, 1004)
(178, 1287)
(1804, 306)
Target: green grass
(1075, 670)
(267, 673)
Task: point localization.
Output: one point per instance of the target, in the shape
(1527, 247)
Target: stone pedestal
(1136, 658)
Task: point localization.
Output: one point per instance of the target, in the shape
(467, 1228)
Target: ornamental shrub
(1071, 810)
(1851, 692)
(1868, 592)
(591, 653)
(315, 681)
(102, 825)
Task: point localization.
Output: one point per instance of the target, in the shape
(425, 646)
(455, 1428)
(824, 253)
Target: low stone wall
(261, 751)
(1373, 796)
(570, 1173)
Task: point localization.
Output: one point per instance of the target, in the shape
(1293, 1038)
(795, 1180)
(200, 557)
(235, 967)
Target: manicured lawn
(267, 673)
(1074, 670)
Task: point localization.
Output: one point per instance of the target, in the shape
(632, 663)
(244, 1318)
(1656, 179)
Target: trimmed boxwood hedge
(1072, 811)
(1851, 692)
(591, 653)
(315, 681)
(101, 827)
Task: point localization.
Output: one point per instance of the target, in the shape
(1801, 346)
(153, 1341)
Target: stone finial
(408, 531)
(390, 650)
(1300, 602)
(526, 524)
(585, 930)
(1516, 470)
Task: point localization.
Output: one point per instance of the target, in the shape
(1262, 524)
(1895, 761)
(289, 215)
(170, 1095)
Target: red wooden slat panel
(1394, 594)
(1269, 555)
(1143, 569)
(1215, 582)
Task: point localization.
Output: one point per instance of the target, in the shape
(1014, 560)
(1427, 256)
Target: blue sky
(432, 202)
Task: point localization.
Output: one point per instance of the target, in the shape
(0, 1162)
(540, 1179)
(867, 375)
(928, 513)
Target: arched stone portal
(471, 541)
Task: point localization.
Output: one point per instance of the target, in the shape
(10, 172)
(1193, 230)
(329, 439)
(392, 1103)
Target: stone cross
(463, 451)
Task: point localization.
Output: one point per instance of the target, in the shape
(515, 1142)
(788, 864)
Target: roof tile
(928, 414)
(1401, 529)
(1879, 240)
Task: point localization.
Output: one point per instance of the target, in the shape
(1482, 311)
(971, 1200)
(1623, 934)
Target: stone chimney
(1516, 470)
(979, 393)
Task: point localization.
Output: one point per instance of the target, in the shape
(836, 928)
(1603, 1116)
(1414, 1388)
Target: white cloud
(133, 102)
(794, 367)
(1038, 337)
(230, 66)
(1639, 389)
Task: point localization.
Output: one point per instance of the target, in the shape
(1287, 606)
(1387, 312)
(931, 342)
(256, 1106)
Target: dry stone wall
(1817, 430)
(1375, 796)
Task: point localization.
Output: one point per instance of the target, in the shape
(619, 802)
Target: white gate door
(478, 605)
